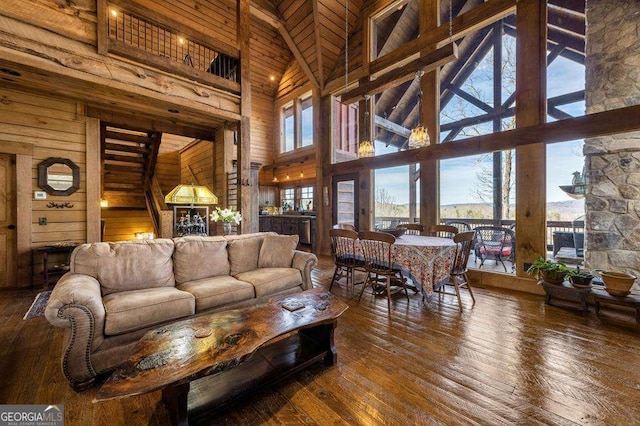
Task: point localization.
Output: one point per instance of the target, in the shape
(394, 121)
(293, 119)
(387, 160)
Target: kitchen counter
(291, 224)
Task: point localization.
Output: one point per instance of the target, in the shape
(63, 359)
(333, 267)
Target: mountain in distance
(556, 210)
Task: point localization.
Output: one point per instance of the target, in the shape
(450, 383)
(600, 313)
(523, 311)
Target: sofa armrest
(305, 262)
(76, 304)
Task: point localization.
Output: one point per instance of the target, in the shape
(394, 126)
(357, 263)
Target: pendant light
(419, 137)
(366, 148)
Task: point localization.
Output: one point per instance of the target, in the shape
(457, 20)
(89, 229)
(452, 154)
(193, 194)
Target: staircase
(128, 165)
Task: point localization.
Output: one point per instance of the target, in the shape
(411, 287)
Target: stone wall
(613, 162)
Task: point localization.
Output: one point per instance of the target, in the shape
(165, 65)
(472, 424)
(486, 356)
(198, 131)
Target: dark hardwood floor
(508, 360)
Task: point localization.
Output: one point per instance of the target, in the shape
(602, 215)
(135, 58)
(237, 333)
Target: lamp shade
(191, 194)
(366, 149)
(418, 137)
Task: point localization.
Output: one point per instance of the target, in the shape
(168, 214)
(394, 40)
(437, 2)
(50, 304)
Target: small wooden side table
(50, 272)
(567, 292)
(631, 301)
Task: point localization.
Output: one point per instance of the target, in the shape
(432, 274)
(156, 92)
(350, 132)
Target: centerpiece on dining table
(227, 216)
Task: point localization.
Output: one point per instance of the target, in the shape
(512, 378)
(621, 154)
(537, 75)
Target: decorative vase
(616, 283)
(226, 228)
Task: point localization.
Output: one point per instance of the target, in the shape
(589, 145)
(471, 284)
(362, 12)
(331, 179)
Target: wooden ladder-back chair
(458, 275)
(348, 226)
(376, 250)
(442, 231)
(411, 228)
(343, 248)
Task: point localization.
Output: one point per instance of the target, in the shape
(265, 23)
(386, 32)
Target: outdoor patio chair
(348, 226)
(411, 228)
(458, 276)
(442, 231)
(578, 237)
(382, 277)
(343, 248)
(496, 243)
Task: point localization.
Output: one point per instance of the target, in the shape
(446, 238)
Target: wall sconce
(104, 203)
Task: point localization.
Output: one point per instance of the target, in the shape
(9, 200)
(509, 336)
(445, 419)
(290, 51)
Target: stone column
(612, 204)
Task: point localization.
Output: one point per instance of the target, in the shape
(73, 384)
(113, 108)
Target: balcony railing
(552, 226)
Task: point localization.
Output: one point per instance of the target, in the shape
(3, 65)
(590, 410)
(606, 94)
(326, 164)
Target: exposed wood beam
(142, 123)
(566, 20)
(470, 98)
(592, 125)
(478, 17)
(575, 5)
(391, 126)
(271, 18)
(557, 113)
(316, 29)
(427, 63)
(472, 121)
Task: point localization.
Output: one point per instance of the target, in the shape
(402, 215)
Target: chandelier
(419, 136)
(366, 146)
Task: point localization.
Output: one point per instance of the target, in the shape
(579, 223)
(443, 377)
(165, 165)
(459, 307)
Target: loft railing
(144, 36)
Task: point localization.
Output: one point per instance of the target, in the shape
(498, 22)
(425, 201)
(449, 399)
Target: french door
(345, 199)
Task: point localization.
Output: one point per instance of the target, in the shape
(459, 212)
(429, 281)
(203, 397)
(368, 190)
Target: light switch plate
(39, 195)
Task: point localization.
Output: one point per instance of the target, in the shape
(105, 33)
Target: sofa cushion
(244, 251)
(126, 265)
(271, 280)
(195, 258)
(132, 310)
(277, 251)
(218, 291)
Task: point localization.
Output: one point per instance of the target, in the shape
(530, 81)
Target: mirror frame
(42, 176)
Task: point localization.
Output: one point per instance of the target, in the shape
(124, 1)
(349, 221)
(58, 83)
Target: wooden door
(345, 199)
(8, 265)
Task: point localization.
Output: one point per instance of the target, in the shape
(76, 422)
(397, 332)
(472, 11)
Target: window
(288, 128)
(297, 124)
(306, 197)
(288, 198)
(345, 131)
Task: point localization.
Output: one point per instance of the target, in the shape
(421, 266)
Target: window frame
(295, 100)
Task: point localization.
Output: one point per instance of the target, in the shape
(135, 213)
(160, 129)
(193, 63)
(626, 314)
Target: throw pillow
(277, 251)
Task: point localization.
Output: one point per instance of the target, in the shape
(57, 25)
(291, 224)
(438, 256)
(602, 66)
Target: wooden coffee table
(239, 355)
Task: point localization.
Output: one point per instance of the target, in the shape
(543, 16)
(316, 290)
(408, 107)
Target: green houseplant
(579, 278)
(548, 271)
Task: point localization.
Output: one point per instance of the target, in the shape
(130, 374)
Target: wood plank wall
(198, 158)
(168, 166)
(293, 79)
(56, 128)
(122, 224)
(262, 125)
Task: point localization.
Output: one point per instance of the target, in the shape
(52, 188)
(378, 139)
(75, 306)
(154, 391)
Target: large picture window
(297, 124)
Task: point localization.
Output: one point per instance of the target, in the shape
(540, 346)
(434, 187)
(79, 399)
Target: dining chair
(496, 243)
(458, 275)
(461, 225)
(376, 250)
(411, 228)
(348, 226)
(343, 248)
(442, 231)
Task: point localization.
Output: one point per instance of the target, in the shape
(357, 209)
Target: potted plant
(548, 271)
(227, 216)
(579, 278)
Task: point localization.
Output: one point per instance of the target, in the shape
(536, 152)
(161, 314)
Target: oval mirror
(58, 176)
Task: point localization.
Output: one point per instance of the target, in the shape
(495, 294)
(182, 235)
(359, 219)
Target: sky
(458, 176)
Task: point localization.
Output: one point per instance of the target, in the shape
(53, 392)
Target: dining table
(426, 260)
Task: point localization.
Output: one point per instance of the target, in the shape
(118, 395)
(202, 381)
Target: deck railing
(382, 222)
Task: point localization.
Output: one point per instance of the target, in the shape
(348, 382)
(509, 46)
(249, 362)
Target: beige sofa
(115, 292)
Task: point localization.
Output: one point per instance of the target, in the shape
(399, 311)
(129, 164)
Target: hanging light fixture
(366, 146)
(419, 136)
(275, 178)
(191, 194)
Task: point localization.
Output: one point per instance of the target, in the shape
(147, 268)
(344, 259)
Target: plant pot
(617, 283)
(581, 281)
(555, 277)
